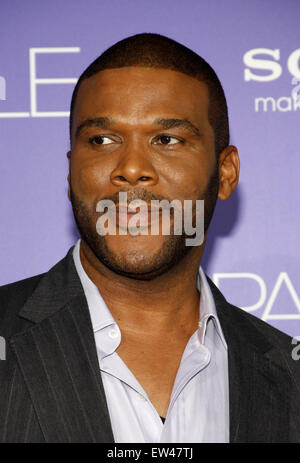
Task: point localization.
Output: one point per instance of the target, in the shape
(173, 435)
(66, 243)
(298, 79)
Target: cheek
(188, 179)
(89, 177)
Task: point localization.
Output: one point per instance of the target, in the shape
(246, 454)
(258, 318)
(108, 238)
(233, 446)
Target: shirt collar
(208, 311)
(102, 318)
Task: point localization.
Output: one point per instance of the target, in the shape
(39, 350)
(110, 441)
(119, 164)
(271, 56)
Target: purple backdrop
(252, 252)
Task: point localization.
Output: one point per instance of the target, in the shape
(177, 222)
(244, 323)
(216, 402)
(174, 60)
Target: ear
(69, 174)
(229, 169)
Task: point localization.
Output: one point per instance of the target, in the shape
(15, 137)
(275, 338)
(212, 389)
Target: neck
(169, 300)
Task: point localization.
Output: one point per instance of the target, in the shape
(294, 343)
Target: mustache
(136, 194)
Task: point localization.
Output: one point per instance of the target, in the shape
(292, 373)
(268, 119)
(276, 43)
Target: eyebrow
(102, 122)
(105, 122)
(182, 123)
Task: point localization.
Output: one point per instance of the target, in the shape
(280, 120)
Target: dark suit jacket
(51, 387)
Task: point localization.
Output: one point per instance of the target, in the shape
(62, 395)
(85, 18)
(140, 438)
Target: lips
(138, 218)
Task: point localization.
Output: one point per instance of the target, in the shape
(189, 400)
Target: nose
(134, 168)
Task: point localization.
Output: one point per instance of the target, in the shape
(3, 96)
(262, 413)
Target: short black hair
(158, 51)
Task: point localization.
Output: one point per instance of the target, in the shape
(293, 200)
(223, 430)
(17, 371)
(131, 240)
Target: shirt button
(113, 334)
(142, 398)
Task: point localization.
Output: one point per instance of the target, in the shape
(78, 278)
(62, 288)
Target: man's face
(135, 152)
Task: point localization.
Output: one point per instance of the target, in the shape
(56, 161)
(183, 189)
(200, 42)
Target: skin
(148, 282)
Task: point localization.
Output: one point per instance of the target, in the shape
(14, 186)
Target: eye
(100, 140)
(168, 140)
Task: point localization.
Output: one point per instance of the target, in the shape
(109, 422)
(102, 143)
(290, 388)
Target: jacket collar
(55, 289)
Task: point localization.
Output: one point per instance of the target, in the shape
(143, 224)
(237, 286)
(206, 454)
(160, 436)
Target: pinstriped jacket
(51, 387)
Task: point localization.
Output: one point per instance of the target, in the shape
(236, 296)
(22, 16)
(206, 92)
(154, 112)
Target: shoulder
(277, 338)
(12, 297)
(19, 290)
(243, 329)
(248, 323)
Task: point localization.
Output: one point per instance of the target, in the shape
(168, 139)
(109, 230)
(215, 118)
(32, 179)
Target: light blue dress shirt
(199, 405)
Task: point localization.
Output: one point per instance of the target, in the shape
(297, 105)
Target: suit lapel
(258, 384)
(58, 359)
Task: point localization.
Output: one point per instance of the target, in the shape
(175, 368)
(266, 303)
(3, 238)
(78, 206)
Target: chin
(139, 258)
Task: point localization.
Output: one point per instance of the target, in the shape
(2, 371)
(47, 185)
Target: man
(126, 339)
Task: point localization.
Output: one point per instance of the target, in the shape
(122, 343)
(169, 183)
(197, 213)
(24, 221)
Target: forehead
(138, 94)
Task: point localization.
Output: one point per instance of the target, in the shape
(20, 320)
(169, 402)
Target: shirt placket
(111, 363)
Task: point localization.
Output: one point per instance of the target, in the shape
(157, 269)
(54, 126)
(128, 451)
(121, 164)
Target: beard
(137, 264)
